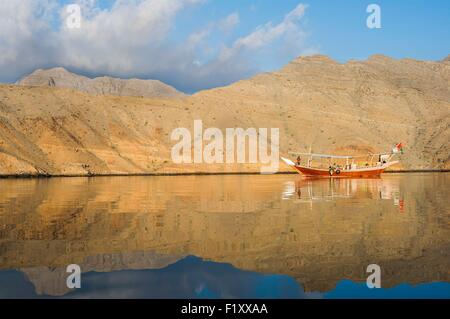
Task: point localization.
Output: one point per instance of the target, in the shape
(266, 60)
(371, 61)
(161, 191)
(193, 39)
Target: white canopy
(334, 156)
(322, 155)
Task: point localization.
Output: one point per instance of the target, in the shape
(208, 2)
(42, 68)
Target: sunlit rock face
(352, 108)
(317, 231)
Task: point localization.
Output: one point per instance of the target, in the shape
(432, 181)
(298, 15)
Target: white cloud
(265, 34)
(133, 39)
(123, 39)
(229, 23)
(25, 33)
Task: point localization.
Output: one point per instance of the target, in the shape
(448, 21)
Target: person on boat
(330, 170)
(298, 160)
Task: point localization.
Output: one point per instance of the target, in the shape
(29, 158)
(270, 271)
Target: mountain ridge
(104, 85)
(343, 108)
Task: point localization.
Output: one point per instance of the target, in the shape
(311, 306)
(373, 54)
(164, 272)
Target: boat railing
(345, 167)
(351, 162)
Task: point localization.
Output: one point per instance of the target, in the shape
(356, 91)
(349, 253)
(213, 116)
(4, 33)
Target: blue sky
(417, 29)
(198, 44)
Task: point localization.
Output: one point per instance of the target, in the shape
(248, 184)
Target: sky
(199, 44)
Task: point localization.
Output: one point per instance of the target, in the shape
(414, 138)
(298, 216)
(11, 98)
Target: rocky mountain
(60, 77)
(356, 107)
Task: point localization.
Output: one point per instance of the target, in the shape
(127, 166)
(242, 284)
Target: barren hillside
(357, 107)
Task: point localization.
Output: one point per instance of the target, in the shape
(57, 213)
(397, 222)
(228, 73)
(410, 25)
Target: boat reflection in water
(310, 190)
(252, 236)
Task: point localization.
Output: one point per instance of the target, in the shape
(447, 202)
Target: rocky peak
(60, 77)
(318, 58)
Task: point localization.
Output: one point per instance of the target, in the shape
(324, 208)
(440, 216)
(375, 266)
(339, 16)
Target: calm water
(226, 236)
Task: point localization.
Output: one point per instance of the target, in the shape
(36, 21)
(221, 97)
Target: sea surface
(234, 236)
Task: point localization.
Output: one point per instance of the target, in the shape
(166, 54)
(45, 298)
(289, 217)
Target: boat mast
(310, 155)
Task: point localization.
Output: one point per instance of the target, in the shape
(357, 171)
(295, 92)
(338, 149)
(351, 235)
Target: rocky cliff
(356, 107)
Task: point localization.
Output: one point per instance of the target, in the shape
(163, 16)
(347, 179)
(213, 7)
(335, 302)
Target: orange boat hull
(308, 171)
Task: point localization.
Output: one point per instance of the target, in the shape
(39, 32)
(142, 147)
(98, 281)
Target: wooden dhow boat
(343, 165)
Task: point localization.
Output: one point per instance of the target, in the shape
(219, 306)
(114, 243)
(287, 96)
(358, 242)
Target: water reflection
(312, 190)
(308, 189)
(317, 232)
(191, 277)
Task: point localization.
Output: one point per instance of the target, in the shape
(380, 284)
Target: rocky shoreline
(12, 176)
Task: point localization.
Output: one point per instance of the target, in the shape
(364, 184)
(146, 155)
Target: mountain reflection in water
(257, 236)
